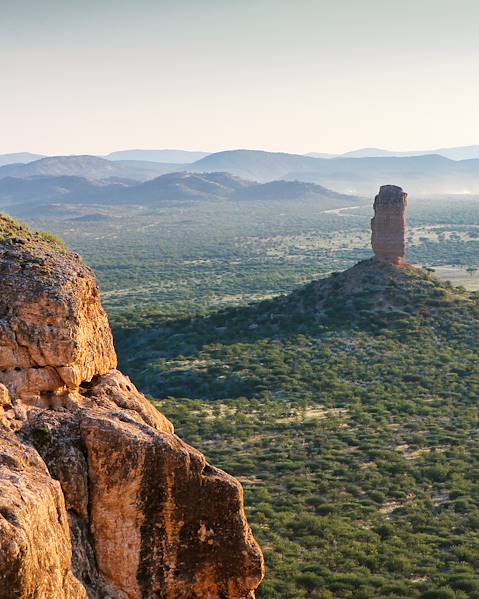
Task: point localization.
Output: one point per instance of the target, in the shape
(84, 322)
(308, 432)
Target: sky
(282, 75)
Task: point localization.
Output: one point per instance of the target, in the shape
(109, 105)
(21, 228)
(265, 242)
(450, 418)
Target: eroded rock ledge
(98, 497)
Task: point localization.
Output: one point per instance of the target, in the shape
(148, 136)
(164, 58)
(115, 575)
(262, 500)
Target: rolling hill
(181, 187)
(288, 190)
(422, 175)
(90, 167)
(33, 196)
(428, 174)
(457, 153)
(62, 188)
(254, 164)
(163, 156)
(18, 158)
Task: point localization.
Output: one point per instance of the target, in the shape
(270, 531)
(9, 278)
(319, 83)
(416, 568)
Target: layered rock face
(389, 225)
(98, 498)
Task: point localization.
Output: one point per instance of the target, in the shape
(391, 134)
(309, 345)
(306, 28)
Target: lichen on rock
(98, 496)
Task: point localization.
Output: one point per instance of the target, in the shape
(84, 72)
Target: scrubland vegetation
(353, 429)
(348, 411)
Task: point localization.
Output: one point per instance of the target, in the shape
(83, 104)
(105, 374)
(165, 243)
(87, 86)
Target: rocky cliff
(389, 225)
(98, 497)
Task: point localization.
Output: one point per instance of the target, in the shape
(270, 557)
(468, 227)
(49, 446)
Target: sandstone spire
(389, 225)
(98, 497)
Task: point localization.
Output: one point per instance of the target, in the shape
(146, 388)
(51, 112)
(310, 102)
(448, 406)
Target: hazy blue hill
(141, 170)
(28, 197)
(428, 174)
(214, 186)
(69, 188)
(425, 174)
(254, 164)
(375, 153)
(90, 167)
(458, 153)
(81, 166)
(18, 158)
(21, 194)
(55, 197)
(288, 190)
(208, 186)
(184, 186)
(321, 155)
(163, 156)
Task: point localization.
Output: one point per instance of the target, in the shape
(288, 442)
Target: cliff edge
(98, 497)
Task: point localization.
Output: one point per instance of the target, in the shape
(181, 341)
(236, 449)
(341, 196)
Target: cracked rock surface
(98, 497)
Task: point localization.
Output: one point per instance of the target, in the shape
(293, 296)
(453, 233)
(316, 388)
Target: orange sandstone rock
(98, 497)
(389, 225)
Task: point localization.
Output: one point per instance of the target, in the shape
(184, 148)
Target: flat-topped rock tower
(389, 225)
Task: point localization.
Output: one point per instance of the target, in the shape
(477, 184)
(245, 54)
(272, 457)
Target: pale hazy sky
(92, 76)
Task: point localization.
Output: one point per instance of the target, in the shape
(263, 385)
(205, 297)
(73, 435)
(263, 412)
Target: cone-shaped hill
(373, 301)
(372, 295)
(375, 295)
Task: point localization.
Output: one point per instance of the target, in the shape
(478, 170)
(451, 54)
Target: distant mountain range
(419, 175)
(58, 189)
(162, 156)
(168, 156)
(64, 195)
(459, 153)
(19, 157)
(430, 174)
(90, 167)
(422, 174)
(254, 164)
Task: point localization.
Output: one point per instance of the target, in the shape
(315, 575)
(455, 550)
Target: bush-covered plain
(348, 411)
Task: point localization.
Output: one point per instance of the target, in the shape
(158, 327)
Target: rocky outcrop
(54, 333)
(389, 225)
(98, 497)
